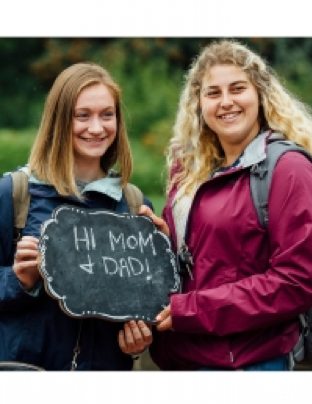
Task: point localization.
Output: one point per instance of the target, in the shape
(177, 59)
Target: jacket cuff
(35, 290)
(184, 313)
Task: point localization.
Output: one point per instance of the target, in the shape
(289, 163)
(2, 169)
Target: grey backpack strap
(134, 198)
(260, 180)
(261, 175)
(21, 200)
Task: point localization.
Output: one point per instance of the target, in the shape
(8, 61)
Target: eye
(238, 89)
(81, 115)
(108, 114)
(212, 93)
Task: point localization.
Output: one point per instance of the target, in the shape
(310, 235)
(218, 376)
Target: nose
(95, 126)
(226, 100)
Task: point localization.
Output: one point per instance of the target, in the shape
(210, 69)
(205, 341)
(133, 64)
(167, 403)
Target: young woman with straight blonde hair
(245, 286)
(81, 138)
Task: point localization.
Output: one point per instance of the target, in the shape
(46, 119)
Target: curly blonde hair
(194, 150)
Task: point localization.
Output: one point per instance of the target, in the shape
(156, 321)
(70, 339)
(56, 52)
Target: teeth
(92, 140)
(229, 116)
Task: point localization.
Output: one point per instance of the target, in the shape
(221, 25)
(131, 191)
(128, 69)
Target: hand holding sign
(158, 221)
(135, 337)
(25, 264)
(101, 264)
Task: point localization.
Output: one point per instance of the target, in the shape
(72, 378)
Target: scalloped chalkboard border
(59, 217)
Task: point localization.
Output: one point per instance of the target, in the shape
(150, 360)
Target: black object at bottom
(8, 366)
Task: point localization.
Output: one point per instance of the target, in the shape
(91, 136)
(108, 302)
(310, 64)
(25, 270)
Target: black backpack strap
(261, 175)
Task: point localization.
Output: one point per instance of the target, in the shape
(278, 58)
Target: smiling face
(94, 124)
(230, 106)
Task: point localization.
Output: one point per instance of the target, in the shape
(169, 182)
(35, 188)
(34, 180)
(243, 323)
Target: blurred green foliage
(15, 146)
(150, 72)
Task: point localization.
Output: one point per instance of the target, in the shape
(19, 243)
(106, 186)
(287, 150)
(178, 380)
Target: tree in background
(150, 72)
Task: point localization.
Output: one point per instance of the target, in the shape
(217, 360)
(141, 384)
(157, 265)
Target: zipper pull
(186, 259)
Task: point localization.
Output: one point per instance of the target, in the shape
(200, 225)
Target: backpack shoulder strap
(134, 198)
(21, 200)
(261, 175)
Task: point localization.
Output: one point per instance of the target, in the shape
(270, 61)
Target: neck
(229, 159)
(88, 173)
(233, 150)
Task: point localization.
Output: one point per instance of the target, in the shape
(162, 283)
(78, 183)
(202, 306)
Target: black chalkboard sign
(101, 264)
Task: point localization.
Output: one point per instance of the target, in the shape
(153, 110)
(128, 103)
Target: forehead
(95, 93)
(219, 75)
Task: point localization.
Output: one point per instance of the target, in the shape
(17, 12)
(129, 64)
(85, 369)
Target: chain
(76, 349)
(76, 353)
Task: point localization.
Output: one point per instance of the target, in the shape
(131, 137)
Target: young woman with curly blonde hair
(245, 285)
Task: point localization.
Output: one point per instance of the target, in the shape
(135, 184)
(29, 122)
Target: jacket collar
(110, 185)
(255, 152)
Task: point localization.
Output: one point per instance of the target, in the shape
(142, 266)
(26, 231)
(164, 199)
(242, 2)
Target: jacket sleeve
(148, 203)
(12, 295)
(284, 289)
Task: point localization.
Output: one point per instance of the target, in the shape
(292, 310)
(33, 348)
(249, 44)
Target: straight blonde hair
(52, 157)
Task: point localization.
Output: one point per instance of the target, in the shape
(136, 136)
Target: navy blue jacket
(33, 329)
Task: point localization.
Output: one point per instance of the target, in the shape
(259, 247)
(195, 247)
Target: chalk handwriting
(130, 266)
(87, 267)
(86, 238)
(132, 242)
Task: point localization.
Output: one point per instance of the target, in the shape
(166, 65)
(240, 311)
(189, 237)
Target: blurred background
(150, 72)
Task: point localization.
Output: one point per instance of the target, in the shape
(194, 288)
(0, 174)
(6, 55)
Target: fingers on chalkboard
(39, 259)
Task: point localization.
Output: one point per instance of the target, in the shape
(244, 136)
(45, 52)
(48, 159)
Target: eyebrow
(231, 84)
(88, 108)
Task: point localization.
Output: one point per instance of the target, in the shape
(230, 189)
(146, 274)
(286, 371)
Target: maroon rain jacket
(249, 284)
